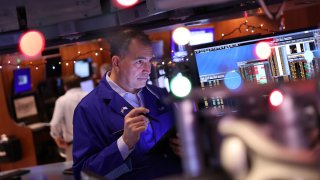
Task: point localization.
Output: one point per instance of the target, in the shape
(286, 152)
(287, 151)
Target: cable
(248, 27)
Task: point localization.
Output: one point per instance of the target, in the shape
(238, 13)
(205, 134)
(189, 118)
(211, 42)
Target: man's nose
(147, 67)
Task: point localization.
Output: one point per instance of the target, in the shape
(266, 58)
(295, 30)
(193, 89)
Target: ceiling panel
(46, 12)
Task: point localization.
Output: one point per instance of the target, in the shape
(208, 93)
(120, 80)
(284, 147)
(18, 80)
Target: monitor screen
(198, 36)
(157, 49)
(87, 85)
(201, 36)
(287, 61)
(25, 106)
(82, 68)
(21, 80)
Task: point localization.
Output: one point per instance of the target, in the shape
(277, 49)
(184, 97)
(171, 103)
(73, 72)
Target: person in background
(112, 137)
(61, 127)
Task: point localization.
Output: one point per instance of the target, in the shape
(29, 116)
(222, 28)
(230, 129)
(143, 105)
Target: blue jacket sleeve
(92, 151)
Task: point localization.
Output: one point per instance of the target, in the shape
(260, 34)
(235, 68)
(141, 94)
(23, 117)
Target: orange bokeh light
(32, 43)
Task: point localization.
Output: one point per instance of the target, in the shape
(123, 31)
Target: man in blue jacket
(112, 137)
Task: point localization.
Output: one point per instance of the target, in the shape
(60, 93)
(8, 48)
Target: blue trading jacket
(98, 123)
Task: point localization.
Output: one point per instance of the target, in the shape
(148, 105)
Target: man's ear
(115, 60)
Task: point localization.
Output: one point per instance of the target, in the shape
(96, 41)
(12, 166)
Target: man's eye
(139, 62)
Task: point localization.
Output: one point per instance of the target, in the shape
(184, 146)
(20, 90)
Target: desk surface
(47, 172)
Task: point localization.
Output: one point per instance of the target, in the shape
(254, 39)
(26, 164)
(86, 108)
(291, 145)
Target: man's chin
(142, 84)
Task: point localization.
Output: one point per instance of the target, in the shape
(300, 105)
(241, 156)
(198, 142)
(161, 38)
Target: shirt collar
(72, 90)
(117, 88)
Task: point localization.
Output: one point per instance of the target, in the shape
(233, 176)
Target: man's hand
(175, 145)
(134, 124)
(61, 143)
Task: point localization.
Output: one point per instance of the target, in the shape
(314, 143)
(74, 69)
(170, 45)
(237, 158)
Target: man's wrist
(123, 148)
(130, 146)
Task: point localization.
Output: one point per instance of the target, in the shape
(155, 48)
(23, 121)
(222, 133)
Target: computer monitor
(21, 80)
(286, 62)
(201, 36)
(213, 61)
(25, 108)
(198, 36)
(82, 68)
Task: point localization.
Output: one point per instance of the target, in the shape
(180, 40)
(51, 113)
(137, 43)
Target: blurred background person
(61, 125)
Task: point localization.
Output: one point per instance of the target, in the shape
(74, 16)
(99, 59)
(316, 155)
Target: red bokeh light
(263, 50)
(276, 98)
(32, 43)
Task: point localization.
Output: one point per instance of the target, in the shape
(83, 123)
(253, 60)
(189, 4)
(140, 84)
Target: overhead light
(124, 3)
(181, 36)
(32, 43)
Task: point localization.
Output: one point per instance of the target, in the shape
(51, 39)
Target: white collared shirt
(135, 100)
(62, 118)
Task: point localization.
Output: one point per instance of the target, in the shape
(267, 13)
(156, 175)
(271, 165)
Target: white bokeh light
(263, 50)
(181, 36)
(180, 85)
(127, 2)
(308, 55)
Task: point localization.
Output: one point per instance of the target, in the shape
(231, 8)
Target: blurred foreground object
(255, 137)
(269, 159)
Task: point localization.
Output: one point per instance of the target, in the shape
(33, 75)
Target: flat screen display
(287, 61)
(201, 36)
(25, 106)
(198, 36)
(21, 80)
(82, 68)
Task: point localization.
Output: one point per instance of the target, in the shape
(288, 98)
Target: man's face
(135, 66)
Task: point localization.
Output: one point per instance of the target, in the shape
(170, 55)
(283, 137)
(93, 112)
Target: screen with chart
(287, 61)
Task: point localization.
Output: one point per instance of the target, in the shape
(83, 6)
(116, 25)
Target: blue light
(232, 80)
